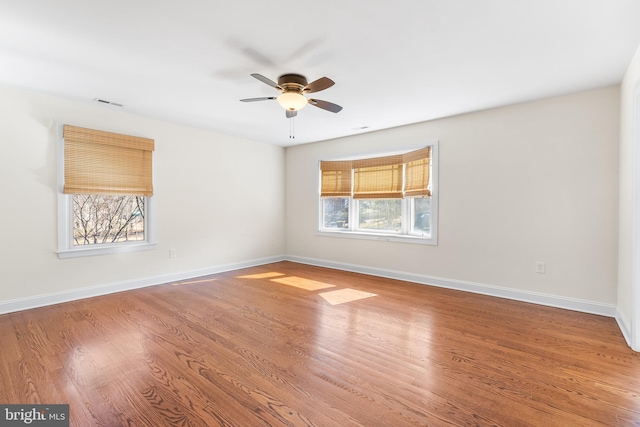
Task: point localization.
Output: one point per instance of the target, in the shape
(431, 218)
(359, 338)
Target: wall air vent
(103, 101)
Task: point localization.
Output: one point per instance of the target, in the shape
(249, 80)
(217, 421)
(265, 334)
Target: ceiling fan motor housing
(292, 82)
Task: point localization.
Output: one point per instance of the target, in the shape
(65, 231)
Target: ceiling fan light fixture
(292, 101)
(292, 88)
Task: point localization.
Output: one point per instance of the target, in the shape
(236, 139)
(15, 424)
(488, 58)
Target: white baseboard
(479, 288)
(624, 328)
(574, 304)
(94, 291)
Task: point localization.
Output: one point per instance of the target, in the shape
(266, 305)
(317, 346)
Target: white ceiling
(393, 62)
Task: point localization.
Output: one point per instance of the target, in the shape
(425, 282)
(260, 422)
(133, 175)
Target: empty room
(348, 213)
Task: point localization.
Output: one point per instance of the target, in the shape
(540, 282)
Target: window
(380, 215)
(390, 198)
(107, 218)
(104, 202)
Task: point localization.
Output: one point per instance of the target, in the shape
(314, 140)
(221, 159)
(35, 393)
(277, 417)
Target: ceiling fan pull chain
(292, 129)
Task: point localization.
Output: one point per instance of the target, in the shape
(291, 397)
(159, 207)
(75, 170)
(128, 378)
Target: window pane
(421, 214)
(379, 214)
(335, 212)
(99, 219)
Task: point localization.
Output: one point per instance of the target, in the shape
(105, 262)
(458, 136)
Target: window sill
(106, 249)
(380, 237)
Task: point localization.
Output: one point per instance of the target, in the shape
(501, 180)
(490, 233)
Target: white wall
(628, 92)
(531, 182)
(519, 184)
(208, 209)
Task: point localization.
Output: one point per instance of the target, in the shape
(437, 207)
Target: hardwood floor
(275, 345)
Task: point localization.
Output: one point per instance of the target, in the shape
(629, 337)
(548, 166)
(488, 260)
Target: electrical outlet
(172, 253)
(540, 267)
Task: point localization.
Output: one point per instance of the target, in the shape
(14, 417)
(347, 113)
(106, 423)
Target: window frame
(66, 249)
(406, 235)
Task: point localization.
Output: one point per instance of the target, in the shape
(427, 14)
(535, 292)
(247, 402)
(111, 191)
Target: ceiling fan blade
(291, 113)
(258, 57)
(325, 105)
(250, 52)
(318, 85)
(264, 98)
(263, 79)
(302, 50)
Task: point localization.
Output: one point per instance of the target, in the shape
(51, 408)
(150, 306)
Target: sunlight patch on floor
(191, 282)
(299, 282)
(260, 276)
(345, 295)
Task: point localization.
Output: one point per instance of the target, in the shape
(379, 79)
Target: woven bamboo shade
(378, 178)
(335, 179)
(416, 178)
(98, 162)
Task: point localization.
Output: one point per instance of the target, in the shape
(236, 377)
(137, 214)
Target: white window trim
(354, 233)
(65, 215)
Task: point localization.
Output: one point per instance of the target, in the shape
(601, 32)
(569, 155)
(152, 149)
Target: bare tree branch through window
(99, 219)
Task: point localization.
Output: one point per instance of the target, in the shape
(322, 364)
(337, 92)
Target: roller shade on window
(416, 174)
(98, 162)
(335, 179)
(378, 178)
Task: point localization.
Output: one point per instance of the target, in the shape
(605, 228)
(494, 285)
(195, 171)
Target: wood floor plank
(262, 347)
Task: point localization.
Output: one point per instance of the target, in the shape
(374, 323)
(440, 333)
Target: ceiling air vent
(103, 101)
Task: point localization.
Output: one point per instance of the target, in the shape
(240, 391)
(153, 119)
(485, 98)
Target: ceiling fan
(293, 88)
